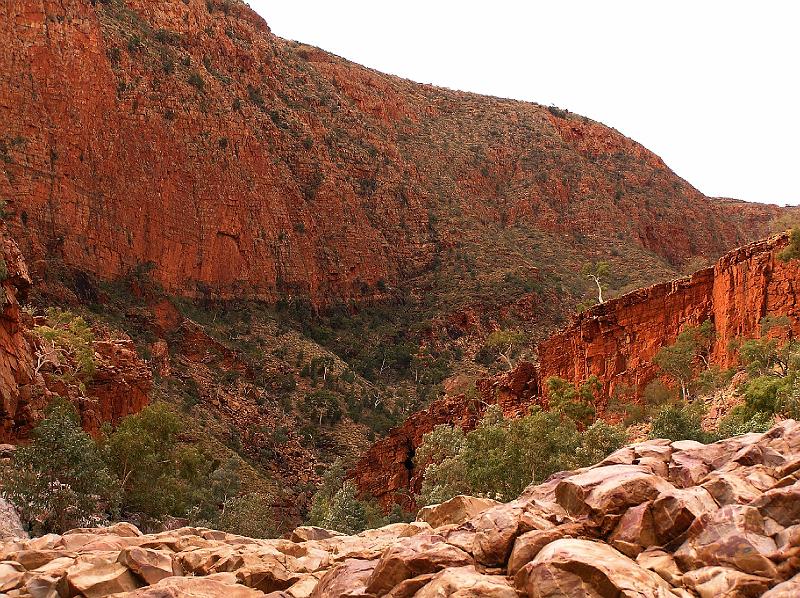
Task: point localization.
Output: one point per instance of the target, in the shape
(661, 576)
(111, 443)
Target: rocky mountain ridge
(615, 342)
(658, 519)
(187, 135)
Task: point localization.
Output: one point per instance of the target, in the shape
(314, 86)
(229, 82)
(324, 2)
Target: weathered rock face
(389, 464)
(16, 348)
(616, 342)
(120, 386)
(557, 539)
(243, 165)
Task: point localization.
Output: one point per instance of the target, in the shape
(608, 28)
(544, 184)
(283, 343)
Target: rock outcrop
(187, 135)
(633, 525)
(120, 385)
(616, 342)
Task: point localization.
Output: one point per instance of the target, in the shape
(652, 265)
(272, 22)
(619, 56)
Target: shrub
(249, 515)
(59, 480)
(741, 421)
(680, 422)
(577, 403)
(501, 457)
(196, 81)
(792, 250)
(336, 505)
(255, 96)
(66, 345)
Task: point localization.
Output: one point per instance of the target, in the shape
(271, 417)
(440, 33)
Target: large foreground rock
(653, 520)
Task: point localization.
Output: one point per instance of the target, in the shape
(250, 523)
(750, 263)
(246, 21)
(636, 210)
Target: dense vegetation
(501, 457)
(65, 478)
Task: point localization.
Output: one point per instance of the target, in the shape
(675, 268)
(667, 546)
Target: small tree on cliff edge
(598, 272)
(792, 250)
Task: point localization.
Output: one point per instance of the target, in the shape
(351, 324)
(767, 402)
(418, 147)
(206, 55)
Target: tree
(598, 272)
(65, 345)
(507, 343)
(682, 421)
(59, 481)
(444, 471)
(249, 515)
(792, 250)
(768, 356)
(501, 457)
(336, 505)
(679, 360)
(323, 405)
(142, 454)
(598, 441)
(577, 403)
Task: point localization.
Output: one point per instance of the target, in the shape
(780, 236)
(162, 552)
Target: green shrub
(59, 481)
(680, 421)
(576, 403)
(196, 81)
(501, 457)
(741, 421)
(792, 250)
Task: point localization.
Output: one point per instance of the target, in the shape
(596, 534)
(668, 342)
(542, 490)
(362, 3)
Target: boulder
(528, 545)
(787, 589)
(635, 530)
(497, 529)
(675, 510)
(348, 580)
(662, 563)
(780, 504)
(94, 580)
(466, 582)
(609, 490)
(10, 524)
(150, 565)
(730, 487)
(213, 586)
(308, 533)
(454, 511)
(586, 569)
(721, 582)
(411, 557)
(731, 536)
(11, 575)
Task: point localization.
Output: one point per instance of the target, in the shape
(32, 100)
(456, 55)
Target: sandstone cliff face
(243, 165)
(16, 349)
(655, 519)
(616, 342)
(120, 386)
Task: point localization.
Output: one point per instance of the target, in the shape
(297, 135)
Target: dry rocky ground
(654, 519)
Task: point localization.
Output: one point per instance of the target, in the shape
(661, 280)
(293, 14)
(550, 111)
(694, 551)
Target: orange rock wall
(617, 340)
(614, 341)
(242, 165)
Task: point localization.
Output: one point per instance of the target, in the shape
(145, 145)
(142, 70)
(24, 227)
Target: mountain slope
(243, 165)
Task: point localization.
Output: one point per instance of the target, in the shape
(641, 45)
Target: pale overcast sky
(711, 86)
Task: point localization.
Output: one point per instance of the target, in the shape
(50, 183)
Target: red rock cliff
(614, 341)
(184, 133)
(617, 340)
(120, 386)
